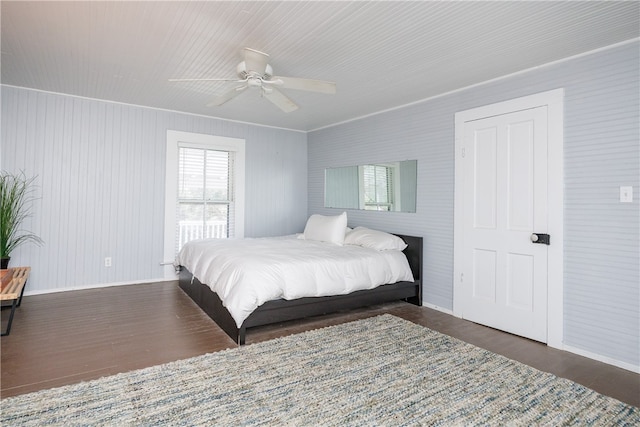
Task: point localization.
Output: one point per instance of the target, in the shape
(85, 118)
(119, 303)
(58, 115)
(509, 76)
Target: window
(204, 190)
(205, 195)
(378, 187)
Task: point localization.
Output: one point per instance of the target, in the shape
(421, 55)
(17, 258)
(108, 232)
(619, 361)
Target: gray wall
(100, 167)
(602, 152)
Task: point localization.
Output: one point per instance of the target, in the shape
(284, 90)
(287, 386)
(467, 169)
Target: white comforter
(246, 273)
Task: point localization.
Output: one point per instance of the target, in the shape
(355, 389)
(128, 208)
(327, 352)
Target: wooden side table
(13, 281)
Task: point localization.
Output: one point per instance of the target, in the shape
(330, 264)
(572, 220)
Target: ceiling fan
(255, 71)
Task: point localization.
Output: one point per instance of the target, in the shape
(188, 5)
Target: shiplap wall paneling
(285, 159)
(602, 249)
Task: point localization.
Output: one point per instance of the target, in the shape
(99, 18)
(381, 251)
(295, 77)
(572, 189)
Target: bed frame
(282, 310)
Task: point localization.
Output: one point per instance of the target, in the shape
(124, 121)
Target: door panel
(504, 201)
(484, 203)
(484, 272)
(520, 179)
(520, 284)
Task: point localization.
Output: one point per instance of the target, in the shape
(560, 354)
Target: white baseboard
(437, 308)
(568, 348)
(601, 358)
(95, 286)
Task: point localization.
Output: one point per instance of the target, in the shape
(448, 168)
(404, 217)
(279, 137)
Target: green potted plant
(16, 196)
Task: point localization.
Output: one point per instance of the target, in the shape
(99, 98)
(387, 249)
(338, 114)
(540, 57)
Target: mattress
(246, 273)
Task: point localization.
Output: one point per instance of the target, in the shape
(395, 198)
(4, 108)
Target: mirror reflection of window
(377, 187)
(385, 186)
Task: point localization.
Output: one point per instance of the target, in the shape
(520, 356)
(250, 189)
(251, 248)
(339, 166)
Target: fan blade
(272, 82)
(255, 60)
(280, 99)
(219, 100)
(307, 84)
(208, 80)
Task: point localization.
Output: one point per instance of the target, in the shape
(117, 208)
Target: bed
(235, 321)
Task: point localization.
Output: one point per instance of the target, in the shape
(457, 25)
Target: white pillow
(326, 228)
(379, 240)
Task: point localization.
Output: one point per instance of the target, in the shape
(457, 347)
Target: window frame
(208, 142)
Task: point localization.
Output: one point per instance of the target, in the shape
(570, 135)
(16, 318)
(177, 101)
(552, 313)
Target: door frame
(554, 101)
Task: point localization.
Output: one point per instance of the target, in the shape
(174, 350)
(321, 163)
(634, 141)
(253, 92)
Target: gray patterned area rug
(378, 371)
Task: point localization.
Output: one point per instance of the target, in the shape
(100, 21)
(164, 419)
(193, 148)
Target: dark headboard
(413, 252)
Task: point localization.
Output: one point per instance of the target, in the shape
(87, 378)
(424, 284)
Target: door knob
(541, 238)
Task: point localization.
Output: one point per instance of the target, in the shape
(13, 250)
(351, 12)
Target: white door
(504, 191)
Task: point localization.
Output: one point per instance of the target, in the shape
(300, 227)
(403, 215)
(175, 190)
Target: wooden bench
(12, 282)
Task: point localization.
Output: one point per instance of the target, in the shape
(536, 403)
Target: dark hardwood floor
(64, 338)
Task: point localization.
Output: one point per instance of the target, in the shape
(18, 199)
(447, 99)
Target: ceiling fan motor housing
(243, 73)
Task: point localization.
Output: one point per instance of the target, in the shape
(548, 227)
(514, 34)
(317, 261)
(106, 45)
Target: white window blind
(205, 202)
(378, 187)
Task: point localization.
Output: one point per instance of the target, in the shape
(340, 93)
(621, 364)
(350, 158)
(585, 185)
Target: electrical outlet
(107, 261)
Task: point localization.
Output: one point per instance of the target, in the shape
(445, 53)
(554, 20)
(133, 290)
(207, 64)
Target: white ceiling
(380, 54)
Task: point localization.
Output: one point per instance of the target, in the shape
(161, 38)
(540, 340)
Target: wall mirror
(386, 186)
